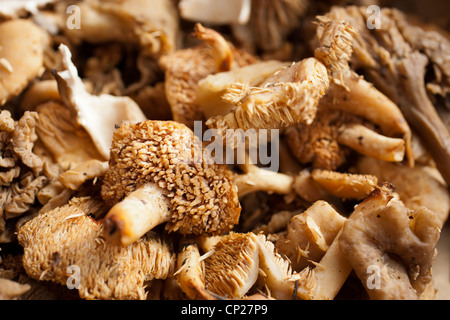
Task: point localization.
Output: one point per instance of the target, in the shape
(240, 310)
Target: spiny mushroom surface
(201, 194)
(67, 237)
(24, 173)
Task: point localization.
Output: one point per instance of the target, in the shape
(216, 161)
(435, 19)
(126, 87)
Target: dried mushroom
(157, 174)
(24, 174)
(67, 237)
(287, 97)
(91, 110)
(223, 150)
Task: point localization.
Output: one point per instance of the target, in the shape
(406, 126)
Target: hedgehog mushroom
(232, 267)
(156, 175)
(287, 97)
(68, 241)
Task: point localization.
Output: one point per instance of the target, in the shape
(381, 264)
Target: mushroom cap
(202, 194)
(67, 237)
(21, 56)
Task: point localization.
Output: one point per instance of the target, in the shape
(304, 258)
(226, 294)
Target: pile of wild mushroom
(132, 143)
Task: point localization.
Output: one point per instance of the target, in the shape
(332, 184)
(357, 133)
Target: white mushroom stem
(138, 213)
(259, 179)
(331, 272)
(372, 144)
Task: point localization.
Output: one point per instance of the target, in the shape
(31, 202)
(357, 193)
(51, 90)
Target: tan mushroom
(232, 266)
(67, 238)
(390, 247)
(348, 91)
(309, 235)
(185, 68)
(21, 56)
(421, 186)
(395, 58)
(157, 174)
(287, 97)
(151, 26)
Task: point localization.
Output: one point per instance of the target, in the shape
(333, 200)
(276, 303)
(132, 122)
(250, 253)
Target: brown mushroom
(156, 168)
(348, 91)
(390, 247)
(60, 242)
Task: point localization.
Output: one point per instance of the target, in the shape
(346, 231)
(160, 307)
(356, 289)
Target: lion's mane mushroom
(21, 56)
(67, 238)
(156, 169)
(399, 244)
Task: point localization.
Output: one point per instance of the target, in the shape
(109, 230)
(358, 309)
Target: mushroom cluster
(210, 150)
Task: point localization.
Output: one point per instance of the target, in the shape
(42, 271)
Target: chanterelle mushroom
(157, 174)
(21, 56)
(67, 238)
(390, 247)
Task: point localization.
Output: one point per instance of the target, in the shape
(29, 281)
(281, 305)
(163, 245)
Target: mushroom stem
(421, 113)
(139, 212)
(259, 179)
(371, 143)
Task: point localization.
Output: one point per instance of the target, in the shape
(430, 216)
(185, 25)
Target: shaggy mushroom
(157, 174)
(67, 238)
(395, 58)
(16, 70)
(287, 97)
(232, 266)
(399, 244)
